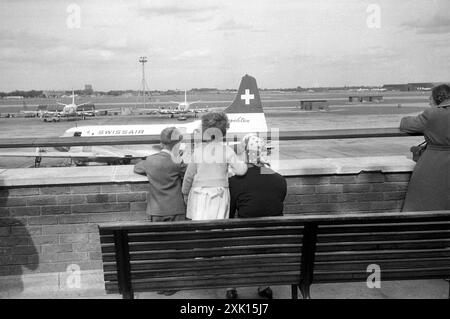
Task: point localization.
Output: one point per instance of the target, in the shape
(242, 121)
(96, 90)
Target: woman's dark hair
(440, 93)
(215, 120)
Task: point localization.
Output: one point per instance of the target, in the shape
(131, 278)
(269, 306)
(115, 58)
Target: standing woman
(429, 187)
(205, 185)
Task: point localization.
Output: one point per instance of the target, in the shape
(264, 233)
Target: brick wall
(363, 192)
(46, 229)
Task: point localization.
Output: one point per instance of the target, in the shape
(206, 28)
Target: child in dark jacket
(165, 173)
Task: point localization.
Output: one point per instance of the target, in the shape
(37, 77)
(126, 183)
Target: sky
(58, 44)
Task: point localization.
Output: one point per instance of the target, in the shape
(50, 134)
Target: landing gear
(37, 161)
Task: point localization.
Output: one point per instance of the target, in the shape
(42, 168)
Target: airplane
(182, 107)
(69, 109)
(245, 114)
(72, 111)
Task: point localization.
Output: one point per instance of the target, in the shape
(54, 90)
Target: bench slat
(382, 245)
(238, 261)
(213, 243)
(384, 264)
(202, 225)
(381, 255)
(230, 251)
(386, 228)
(358, 237)
(216, 234)
(398, 274)
(209, 270)
(206, 234)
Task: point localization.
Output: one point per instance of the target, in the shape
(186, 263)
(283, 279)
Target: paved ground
(420, 289)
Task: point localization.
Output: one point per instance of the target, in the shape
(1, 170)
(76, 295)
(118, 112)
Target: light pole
(143, 60)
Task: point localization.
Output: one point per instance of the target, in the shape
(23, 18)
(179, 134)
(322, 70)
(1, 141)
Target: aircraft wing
(29, 112)
(56, 154)
(100, 152)
(52, 112)
(61, 103)
(100, 110)
(83, 104)
(170, 112)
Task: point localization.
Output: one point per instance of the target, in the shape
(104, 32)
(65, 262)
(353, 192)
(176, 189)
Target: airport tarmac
(269, 99)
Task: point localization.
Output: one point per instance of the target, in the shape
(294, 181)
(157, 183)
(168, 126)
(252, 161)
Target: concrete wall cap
(125, 174)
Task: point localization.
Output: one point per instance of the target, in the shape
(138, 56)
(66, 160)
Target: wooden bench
(196, 255)
(291, 250)
(405, 246)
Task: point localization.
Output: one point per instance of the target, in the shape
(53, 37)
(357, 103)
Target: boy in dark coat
(165, 173)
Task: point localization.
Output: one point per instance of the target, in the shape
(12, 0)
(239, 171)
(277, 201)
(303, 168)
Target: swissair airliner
(245, 114)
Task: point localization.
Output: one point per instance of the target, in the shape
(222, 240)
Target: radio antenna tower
(144, 87)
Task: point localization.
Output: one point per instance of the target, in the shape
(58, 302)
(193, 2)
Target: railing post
(308, 256)
(123, 264)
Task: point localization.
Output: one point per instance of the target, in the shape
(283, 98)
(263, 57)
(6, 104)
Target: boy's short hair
(170, 136)
(440, 93)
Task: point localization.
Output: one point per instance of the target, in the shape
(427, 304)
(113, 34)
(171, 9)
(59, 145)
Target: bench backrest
(290, 250)
(402, 248)
(193, 255)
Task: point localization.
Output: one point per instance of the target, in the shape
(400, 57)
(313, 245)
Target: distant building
(365, 98)
(409, 87)
(311, 105)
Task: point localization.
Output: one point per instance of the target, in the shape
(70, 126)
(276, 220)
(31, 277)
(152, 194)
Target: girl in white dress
(205, 184)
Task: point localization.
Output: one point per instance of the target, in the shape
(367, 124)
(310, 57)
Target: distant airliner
(70, 109)
(182, 107)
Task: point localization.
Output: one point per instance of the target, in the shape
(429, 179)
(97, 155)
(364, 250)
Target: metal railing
(24, 142)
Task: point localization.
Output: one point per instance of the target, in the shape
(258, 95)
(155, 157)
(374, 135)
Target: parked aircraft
(182, 108)
(70, 109)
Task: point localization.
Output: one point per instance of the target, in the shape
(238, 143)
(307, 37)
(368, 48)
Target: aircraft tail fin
(246, 113)
(247, 99)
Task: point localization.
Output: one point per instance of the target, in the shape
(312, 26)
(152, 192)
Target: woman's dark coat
(429, 187)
